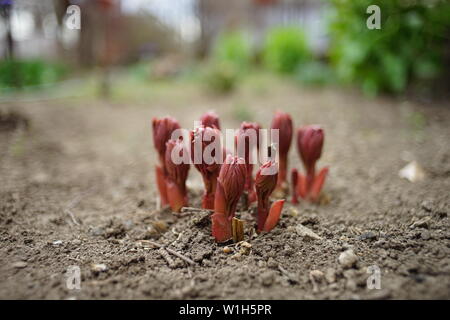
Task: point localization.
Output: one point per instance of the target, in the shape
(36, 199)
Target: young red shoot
(208, 168)
(246, 139)
(230, 186)
(176, 175)
(210, 119)
(162, 131)
(310, 142)
(283, 122)
(265, 183)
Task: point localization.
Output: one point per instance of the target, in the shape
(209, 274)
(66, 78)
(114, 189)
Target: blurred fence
(38, 29)
(256, 17)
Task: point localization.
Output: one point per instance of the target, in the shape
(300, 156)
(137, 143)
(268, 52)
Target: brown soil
(77, 188)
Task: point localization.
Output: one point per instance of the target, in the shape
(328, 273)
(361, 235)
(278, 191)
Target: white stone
(412, 172)
(306, 232)
(348, 258)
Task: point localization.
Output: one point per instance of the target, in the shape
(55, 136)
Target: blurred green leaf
(315, 74)
(222, 77)
(29, 73)
(232, 48)
(409, 46)
(285, 49)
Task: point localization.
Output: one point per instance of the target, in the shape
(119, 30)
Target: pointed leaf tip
(274, 215)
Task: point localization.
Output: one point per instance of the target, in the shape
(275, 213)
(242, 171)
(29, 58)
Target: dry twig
(175, 253)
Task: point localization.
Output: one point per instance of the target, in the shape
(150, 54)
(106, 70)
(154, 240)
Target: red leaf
(230, 185)
(274, 215)
(221, 227)
(175, 196)
(302, 186)
(219, 199)
(319, 180)
(208, 201)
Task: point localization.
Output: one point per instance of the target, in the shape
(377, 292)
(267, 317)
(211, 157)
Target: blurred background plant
(409, 47)
(29, 73)
(219, 44)
(230, 60)
(285, 49)
(232, 47)
(315, 73)
(221, 77)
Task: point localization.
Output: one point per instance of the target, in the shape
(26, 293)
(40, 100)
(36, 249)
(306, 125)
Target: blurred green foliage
(22, 74)
(408, 47)
(231, 58)
(315, 73)
(222, 77)
(233, 48)
(140, 71)
(285, 49)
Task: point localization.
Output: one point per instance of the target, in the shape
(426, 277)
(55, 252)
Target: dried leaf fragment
(237, 229)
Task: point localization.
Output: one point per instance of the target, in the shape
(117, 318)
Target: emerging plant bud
(210, 119)
(230, 186)
(310, 142)
(247, 139)
(283, 122)
(265, 183)
(162, 131)
(202, 138)
(176, 175)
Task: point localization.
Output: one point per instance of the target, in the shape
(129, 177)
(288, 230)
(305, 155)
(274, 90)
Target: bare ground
(77, 188)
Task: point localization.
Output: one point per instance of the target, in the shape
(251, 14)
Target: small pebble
(367, 236)
(348, 258)
(317, 275)
(19, 264)
(245, 247)
(425, 235)
(293, 212)
(306, 232)
(227, 249)
(267, 278)
(100, 267)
